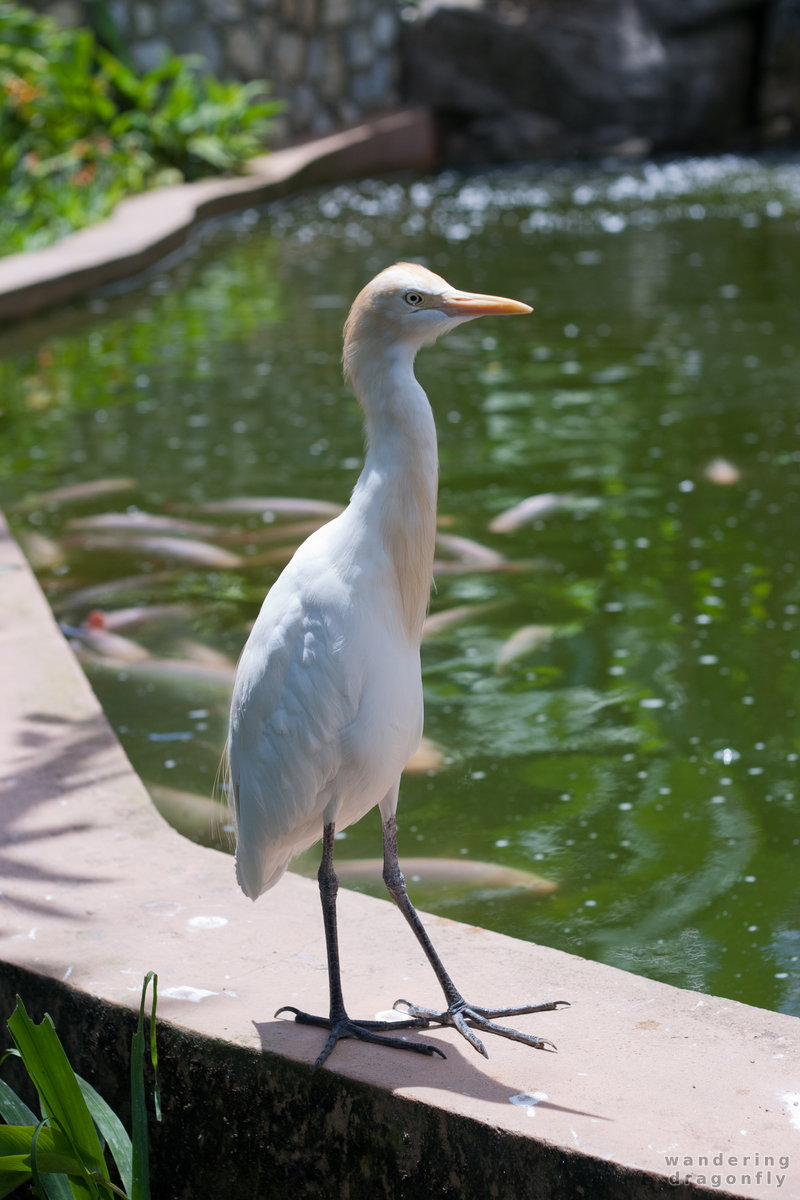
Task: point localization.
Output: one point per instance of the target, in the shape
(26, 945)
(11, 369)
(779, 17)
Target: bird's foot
(341, 1026)
(461, 1016)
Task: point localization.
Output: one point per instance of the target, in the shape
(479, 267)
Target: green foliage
(79, 130)
(62, 1153)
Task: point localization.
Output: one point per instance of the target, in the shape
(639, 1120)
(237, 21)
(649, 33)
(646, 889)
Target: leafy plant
(79, 129)
(62, 1152)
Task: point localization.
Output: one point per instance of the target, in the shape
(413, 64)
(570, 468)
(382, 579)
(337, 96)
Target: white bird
(327, 703)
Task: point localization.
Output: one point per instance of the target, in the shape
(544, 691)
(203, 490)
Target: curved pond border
(144, 228)
(653, 1088)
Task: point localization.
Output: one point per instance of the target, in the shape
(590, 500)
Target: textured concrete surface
(145, 228)
(649, 1082)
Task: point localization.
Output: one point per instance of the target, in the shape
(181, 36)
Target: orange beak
(473, 304)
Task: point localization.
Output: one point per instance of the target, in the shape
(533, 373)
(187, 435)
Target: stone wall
(333, 61)
(507, 80)
(527, 79)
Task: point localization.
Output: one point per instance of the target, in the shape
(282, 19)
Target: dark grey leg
(338, 1022)
(458, 1012)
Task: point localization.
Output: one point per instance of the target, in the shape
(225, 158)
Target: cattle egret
(327, 703)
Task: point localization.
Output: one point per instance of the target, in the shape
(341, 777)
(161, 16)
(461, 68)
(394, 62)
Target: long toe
(304, 1018)
(342, 1027)
(459, 1023)
(494, 1013)
(416, 1013)
(464, 1017)
(514, 1035)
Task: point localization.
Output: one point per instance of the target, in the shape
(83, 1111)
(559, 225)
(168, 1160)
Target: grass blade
(141, 1168)
(140, 1189)
(153, 1048)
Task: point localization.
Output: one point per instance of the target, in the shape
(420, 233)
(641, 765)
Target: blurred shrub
(79, 129)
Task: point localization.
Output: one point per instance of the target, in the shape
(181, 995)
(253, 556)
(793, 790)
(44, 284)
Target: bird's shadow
(459, 1072)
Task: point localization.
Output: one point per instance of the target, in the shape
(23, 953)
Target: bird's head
(409, 305)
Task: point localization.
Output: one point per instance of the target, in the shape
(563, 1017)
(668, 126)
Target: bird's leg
(338, 1022)
(458, 1013)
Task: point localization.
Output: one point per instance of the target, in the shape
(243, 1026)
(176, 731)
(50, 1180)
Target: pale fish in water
(440, 621)
(186, 550)
(528, 510)
(468, 551)
(283, 540)
(278, 556)
(143, 522)
(97, 593)
(289, 531)
(104, 644)
(285, 506)
(134, 617)
(205, 656)
(173, 672)
(523, 641)
(42, 552)
(449, 566)
(426, 758)
(76, 493)
(131, 523)
(458, 872)
(196, 817)
(722, 472)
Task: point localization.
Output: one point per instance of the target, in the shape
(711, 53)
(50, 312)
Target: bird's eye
(413, 298)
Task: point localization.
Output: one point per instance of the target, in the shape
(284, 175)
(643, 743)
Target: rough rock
(560, 77)
(779, 97)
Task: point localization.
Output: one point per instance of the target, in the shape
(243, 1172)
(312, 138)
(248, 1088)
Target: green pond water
(641, 750)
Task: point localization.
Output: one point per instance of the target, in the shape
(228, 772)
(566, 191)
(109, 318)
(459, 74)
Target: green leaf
(112, 1129)
(61, 1097)
(55, 1186)
(40, 1178)
(211, 150)
(19, 1143)
(16, 1113)
(13, 1173)
(13, 1110)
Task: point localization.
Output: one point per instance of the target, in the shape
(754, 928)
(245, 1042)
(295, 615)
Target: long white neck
(398, 485)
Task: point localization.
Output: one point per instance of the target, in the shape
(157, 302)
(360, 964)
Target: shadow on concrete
(461, 1072)
(56, 756)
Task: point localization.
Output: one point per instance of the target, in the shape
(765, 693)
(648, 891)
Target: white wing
(327, 704)
(291, 701)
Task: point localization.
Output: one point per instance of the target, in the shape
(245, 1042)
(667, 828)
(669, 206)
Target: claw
(415, 1012)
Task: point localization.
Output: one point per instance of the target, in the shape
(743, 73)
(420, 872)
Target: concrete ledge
(146, 227)
(97, 889)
